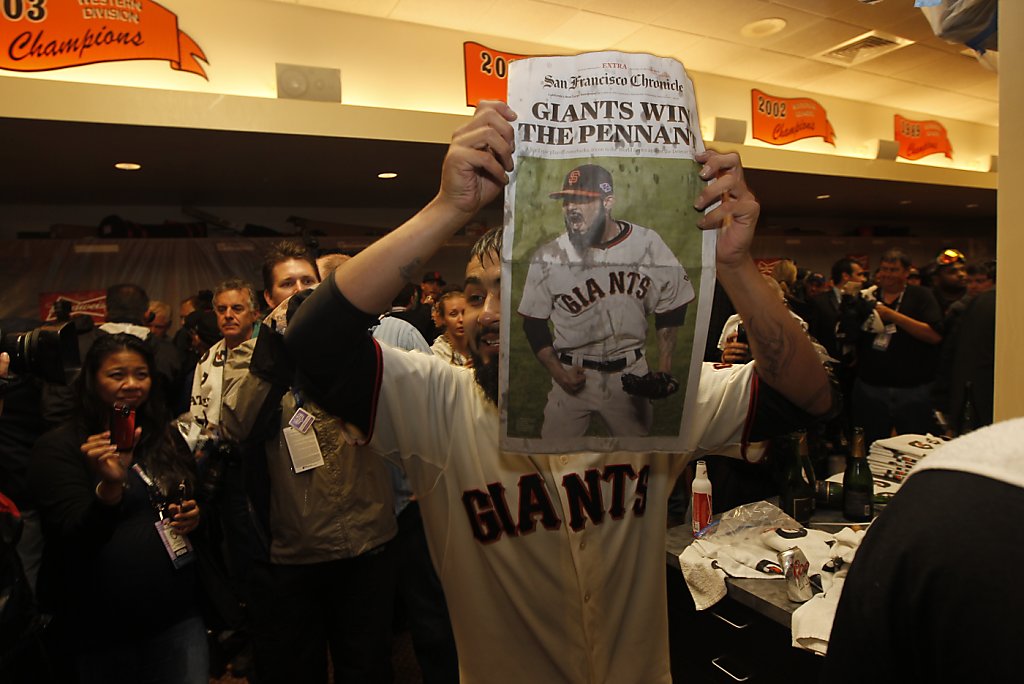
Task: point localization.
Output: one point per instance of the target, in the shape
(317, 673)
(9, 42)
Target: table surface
(767, 596)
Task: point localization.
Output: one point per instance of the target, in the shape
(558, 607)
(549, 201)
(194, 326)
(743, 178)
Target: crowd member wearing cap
(814, 284)
(950, 282)
(601, 335)
(430, 288)
(897, 365)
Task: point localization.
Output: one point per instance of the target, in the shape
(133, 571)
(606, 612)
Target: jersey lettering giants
(598, 303)
(619, 283)
(590, 496)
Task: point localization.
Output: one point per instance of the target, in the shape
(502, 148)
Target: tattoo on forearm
(769, 342)
(409, 270)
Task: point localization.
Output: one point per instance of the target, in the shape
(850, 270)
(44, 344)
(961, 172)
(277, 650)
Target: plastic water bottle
(700, 499)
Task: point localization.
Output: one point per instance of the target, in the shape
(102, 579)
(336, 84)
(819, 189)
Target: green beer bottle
(858, 485)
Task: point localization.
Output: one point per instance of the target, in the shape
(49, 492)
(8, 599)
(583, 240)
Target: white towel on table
(812, 622)
(706, 563)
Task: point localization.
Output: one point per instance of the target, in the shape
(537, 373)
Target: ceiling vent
(862, 48)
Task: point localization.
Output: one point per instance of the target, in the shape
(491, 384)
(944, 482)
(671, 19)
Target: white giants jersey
(599, 303)
(553, 566)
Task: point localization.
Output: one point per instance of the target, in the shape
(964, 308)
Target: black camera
(49, 352)
(212, 459)
(854, 310)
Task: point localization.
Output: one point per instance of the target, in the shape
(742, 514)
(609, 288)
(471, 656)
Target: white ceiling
(929, 76)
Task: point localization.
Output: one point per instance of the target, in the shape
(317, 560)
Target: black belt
(604, 366)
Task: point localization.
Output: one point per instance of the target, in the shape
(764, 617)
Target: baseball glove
(652, 385)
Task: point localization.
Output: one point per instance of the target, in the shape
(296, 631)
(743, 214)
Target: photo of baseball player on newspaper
(605, 266)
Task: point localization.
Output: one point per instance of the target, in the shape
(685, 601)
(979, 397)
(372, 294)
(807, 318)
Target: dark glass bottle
(839, 451)
(858, 485)
(968, 415)
(797, 499)
(819, 448)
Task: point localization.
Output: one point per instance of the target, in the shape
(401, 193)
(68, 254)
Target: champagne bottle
(797, 500)
(858, 485)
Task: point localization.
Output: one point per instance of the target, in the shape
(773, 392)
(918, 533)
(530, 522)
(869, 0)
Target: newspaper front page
(605, 274)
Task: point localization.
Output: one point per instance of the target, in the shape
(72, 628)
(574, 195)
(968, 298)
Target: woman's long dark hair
(157, 450)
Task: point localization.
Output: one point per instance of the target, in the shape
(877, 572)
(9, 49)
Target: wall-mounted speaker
(887, 149)
(297, 82)
(730, 130)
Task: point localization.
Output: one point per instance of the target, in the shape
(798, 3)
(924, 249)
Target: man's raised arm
(784, 355)
(336, 359)
(475, 170)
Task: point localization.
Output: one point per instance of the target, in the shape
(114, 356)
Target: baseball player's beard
(486, 376)
(583, 240)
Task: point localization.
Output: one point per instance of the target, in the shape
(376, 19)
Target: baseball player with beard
(597, 283)
(553, 567)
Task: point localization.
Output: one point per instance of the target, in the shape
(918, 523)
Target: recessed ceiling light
(387, 174)
(823, 196)
(973, 205)
(763, 28)
(906, 201)
(128, 166)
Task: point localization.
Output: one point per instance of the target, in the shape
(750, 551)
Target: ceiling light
(128, 166)
(823, 196)
(763, 28)
(387, 175)
(973, 205)
(905, 202)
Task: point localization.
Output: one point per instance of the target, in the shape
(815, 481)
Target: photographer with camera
(114, 487)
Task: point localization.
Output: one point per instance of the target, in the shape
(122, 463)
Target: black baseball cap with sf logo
(589, 181)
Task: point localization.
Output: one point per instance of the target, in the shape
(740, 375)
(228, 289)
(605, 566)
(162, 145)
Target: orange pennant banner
(782, 120)
(42, 35)
(921, 138)
(486, 73)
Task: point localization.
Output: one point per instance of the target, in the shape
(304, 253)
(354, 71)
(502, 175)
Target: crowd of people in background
(908, 358)
(912, 347)
(179, 513)
(268, 583)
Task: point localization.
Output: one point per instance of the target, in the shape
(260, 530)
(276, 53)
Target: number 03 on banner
(486, 73)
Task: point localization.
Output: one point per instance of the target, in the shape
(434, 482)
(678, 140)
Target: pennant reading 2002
(782, 120)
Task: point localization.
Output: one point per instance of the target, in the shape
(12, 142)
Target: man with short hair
(158, 316)
(325, 578)
(553, 566)
(234, 303)
(288, 267)
(598, 339)
(981, 277)
(847, 278)
(897, 365)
